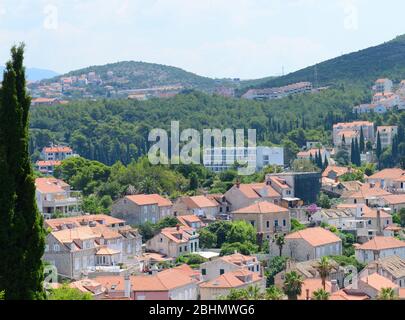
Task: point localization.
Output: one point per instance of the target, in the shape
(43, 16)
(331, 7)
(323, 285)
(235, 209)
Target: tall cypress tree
(22, 237)
(352, 153)
(362, 141)
(357, 155)
(379, 147)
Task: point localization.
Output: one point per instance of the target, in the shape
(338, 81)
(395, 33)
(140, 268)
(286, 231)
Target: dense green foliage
(67, 293)
(117, 130)
(276, 265)
(193, 260)
(296, 225)
(148, 230)
(22, 237)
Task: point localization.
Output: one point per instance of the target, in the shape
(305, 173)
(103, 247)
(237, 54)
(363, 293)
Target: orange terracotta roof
(315, 236)
(57, 149)
(258, 190)
(280, 182)
(312, 284)
(200, 202)
(50, 185)
(345, 294)
(392, 174)
(379, 282)
(182, 235)
(353, 124)
(261, 208)
(395, 199)
(51, 163)
(233, 279)
(189, 219)
(340, 171)
(70, 235)
(100, 219)
(366, 192)
(149, 199)
(239, 259)
(381, 243)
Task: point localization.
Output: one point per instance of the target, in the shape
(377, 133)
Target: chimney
(335, 286)
(379, 227)
(178, 227)
(127, 285)
(307, 292)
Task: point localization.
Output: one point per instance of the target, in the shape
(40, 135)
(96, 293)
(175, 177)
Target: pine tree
(357, 153)
(379, 147)
(326, 163)
(362, 141)
(352, 153)
(22, 237)
(320, 162)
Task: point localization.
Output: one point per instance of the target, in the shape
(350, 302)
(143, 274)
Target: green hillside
(141, 75)
(358, 68)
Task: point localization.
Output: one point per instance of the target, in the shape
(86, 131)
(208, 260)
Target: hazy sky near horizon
(216, 38)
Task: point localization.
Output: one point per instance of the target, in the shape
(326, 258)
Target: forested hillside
(112, 130)
(360, 68)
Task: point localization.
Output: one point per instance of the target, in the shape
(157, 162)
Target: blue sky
(216, 38)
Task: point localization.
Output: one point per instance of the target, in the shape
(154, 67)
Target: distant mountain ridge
(35, 74)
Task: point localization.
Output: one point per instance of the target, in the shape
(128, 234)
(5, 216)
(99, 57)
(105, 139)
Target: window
(284, 222)
(252, 223)
(257, 268)
(56, 247)
(185, 248)
(276, 223)
(204, 272)
(267, 224)
(221, 271)
(180, 249)
(161, 239)
(369, 222)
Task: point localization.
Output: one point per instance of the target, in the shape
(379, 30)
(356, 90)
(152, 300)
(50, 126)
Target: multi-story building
(217, 267)
(267, 218)
(391, 267)
(345, 133)
(278, 93)
(309, 244)
(380, 247)
(91, 244)
(54, 153)
(236, 280)
(383, 86)
(47, 167)
(387, 134)
(55, 196)
(201, 206)
(222, 159)
(141, 208)
(391, 179)
(304, 186)
(243, 195)
(174, 242)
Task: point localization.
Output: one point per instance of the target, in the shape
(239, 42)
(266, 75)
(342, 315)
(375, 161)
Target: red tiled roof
(315, 236)
(149, 199)
(381, 243)
(261, 207)
(232, 279)
(258, 190)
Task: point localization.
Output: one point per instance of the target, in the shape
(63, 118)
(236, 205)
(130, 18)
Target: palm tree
(280, 242)
(324, 267)
(274, 293)
(387, 294)
(320, 294)
(293, 285)
(253, 293)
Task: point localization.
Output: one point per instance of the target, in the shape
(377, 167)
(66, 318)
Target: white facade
(366, 256)
(222, 159)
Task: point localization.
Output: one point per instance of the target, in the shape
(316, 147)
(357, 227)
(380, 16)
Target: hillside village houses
(141, 208)
(201, 206)
(91, 245)
(52, 157)
(309, 244)
(380, 247)
(345, 133)
(54, 196)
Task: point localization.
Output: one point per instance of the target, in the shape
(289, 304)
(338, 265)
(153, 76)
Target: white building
(387, 134)
(383, 86)
(222, 159)
(55, 196)
(379, 248)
